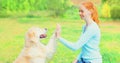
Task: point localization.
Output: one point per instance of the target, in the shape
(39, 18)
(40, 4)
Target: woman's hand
(75, 61)
(58, 30)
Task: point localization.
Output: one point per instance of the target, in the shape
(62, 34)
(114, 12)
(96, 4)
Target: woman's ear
(90, 12)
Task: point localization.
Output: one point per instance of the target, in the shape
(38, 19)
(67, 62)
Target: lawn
(12, 33)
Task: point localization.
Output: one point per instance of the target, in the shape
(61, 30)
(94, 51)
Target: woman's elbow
(74, 49)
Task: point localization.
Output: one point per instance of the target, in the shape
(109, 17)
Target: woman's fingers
(58, 30)
(58, 27)
(75, 61)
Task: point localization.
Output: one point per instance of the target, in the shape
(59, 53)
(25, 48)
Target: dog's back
(22, 58)
(33, 54)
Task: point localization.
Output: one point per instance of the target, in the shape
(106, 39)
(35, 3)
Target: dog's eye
(46, 29)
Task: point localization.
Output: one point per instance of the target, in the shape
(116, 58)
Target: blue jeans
(82, 61)
(89, 61)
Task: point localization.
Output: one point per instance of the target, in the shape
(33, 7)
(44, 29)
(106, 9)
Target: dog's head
(36, 33)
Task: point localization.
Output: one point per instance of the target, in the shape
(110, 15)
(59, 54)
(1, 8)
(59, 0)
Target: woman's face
(83, 12)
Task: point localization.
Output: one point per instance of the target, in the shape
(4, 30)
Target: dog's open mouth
(43, 36)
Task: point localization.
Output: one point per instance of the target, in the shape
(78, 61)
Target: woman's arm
(90, 31)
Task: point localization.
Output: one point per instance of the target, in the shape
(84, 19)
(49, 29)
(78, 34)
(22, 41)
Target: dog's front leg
(51, 46)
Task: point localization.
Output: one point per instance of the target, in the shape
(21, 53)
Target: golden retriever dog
(34, 51)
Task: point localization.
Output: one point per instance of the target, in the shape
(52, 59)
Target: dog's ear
(31, 34)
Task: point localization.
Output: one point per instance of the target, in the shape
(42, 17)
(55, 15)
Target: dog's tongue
(43, 36)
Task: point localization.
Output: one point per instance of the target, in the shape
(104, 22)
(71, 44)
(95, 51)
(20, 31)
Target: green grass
(12, 33)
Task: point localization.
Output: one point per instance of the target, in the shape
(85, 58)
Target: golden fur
(34, 51)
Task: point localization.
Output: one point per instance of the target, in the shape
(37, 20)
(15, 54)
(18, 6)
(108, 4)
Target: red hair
(90, 6)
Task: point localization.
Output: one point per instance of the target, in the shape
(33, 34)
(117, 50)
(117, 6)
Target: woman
(90, 38)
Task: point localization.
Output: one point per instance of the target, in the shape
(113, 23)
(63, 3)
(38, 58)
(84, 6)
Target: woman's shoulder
(93, 26)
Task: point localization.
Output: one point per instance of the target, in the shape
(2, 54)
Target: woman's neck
(88, 21)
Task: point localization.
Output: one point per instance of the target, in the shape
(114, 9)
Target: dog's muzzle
(43, 36)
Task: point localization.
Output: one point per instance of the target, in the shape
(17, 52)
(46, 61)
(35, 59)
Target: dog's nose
(46, 29)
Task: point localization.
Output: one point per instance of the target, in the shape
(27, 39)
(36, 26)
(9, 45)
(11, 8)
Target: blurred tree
(103, 1)
(58, 7)
(115, 12)
(106, 10)
(110, 8)
(23, 7)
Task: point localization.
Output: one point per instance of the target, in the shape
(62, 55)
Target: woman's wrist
(58, 38)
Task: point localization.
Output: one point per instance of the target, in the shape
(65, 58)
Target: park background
(17, 16)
